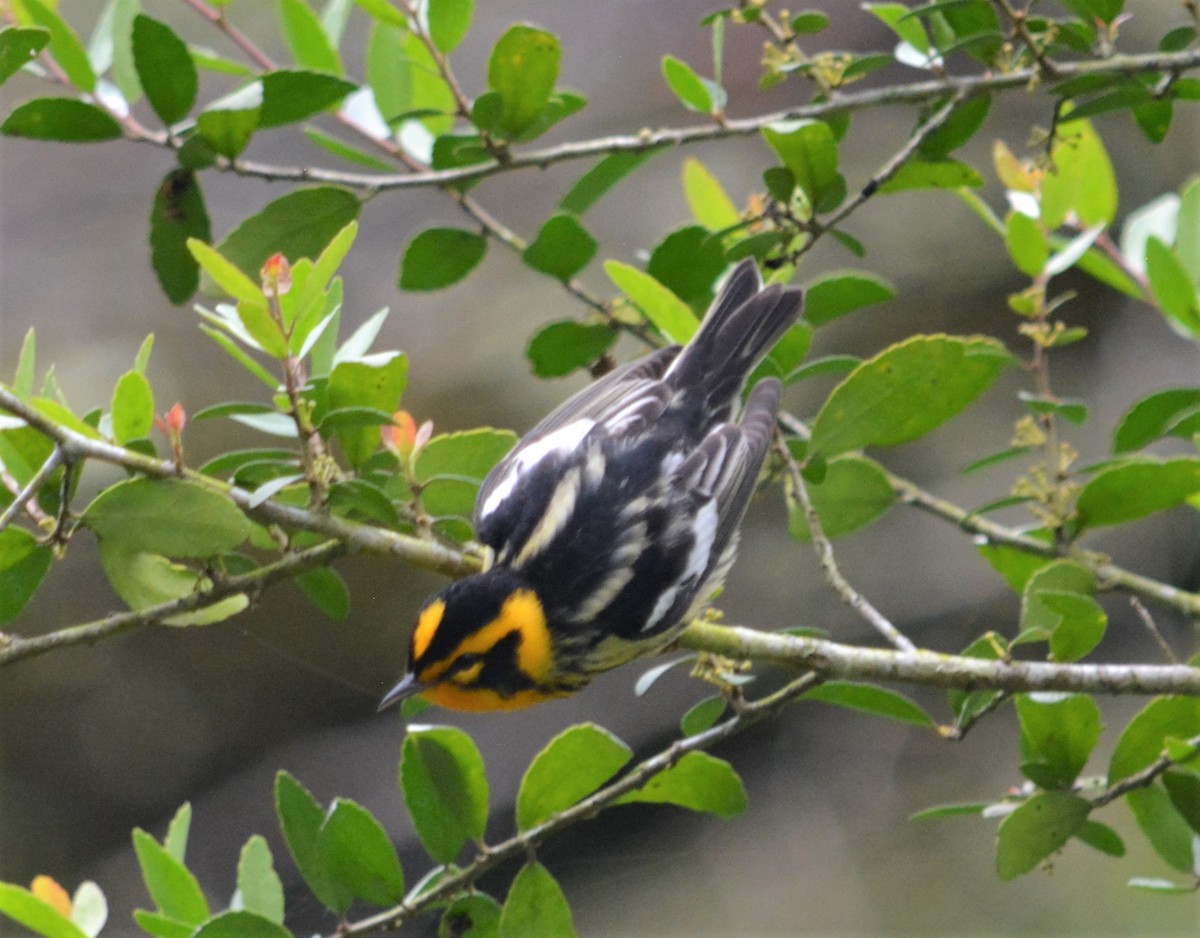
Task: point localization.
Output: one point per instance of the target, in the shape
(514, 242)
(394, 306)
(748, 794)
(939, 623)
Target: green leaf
(669, 314)
(1081, 628)
(451, 467)
(809, 21)
(571, 766)
(306, 38)
(562, 248)
(22, 384)
(853, 494)
(1184, 791)
(405, 79)
(1187, 231)
(809, 150)
(290, 96)
(178, 215)
(1036, 829)
(1101, 837)
(36, 914)
(241, 925)
(227, 129)
(167, 516)
(1135, 489)
(1060, 577)
(171, 884)
(957, 129)
(358, 854)
(143, 580)
(1072, 410)
(445, 788)
(839, 292)
(1165, 828)
(1173, 289)
(1081, 179)
(132, 408)
(178, 829)
(687, 262)
(449, 21)
(1142, 741)
(23, 565)
(869, 698)
(327, 591)
(940, 811)
(18, 47)
(699, 782)
(1174, 412)
(440, 257)
(703, 715)
(535, 907)
(300, 224)
(694, 93)
(375, 384)
(65, 46)
(706, 197)
(225, 274)
(967, 705)
(345, 151)
(908, 29)
(162, 926)
(561, 347)
(1027, 243)
(258, 884)
(63, 119)
(300, 819)
(940, 174)
(470, 915)
(164, 69)
(522, 70)
(602, 177)
(906, 391)
(828, 365)
(1059, 733)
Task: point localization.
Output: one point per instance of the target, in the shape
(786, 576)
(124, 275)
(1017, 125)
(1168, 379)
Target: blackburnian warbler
(613, 521)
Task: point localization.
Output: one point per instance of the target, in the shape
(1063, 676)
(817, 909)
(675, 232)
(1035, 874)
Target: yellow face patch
(479, 700)
(427, 624)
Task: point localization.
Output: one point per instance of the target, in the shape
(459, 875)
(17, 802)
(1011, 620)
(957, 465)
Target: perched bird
(611, 522)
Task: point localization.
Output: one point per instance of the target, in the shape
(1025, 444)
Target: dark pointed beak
(409, 686)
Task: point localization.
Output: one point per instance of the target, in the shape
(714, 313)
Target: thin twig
(1147, 620)
(1142, 779)
(23, 497)
(1049, 71)
(821, 544)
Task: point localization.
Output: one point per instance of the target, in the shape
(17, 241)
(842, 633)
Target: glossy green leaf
(167, 516)
(241, 924)
(171, 884)
(227, 130)
(440, 257)
(571, 766)
(164, 68)
(809, 21)
(703, 715)
(65, 46)
(926, 174)
(176, 839)
(449, 21)
(1135, 489)
(535, 907)
(1059, 733)
(522, 70)
(35, 913)
(22, 383)
(1081, 180)
(962, 124)
(1175, 412)
(1026, 243)
(808, 150)
(358, 854)
(300, 224)
(132, 407)
(907, 28)
(177, 216)
(869, 698)
(452, 466)
(143, 580)
(853, 494)
(699, 782)
(162, 926)
(937, 812)
(563, 247)
(1162, 825)
(258, 884)
(63, 119)
(710, 205)
(694, 93)
(23, 565)
(669, 314)
(968, 704)
(300, 819)
(561, 347)
(384, 11)
(1036, 829)
(1173, 289)
(838, 292)
(906, 391)
(345, 151)
(291, 96)
(1184, 791)
(1187, 231)
(1101, 837)
(1142, 740)
(688, 262)
(307, 40)
(445, 788)
(18, 47)
(376, 384)
(827, 365)
(603, 176)
(404, 78)
(1082, 624)
(326, 589)
(470, 915)
(1060, 577)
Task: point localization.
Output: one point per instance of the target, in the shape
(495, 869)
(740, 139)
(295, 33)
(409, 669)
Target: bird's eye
(465, 662)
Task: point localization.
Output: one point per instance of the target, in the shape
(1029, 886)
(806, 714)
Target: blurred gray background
(96, 740)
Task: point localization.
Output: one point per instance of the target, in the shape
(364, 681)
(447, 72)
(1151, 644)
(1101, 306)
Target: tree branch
(23, 497)
(1142, 779)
